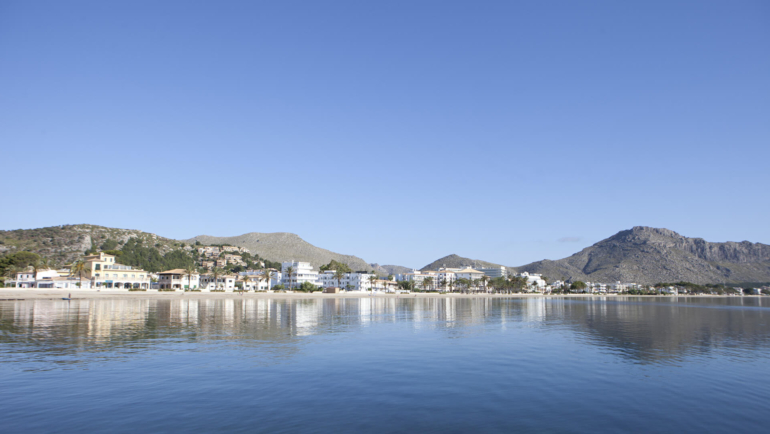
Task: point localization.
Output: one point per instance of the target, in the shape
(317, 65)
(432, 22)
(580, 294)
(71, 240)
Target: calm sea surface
(386, 365)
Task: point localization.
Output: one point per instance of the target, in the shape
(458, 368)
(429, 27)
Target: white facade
(178, 279)
(301, 272)
(494, 271)
(350, 281)
(226, 282)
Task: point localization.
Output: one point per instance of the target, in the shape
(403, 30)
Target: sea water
(381, 365)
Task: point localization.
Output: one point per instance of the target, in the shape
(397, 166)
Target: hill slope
(454, 261)
(67, 243)
(649, 255)
(283, 246)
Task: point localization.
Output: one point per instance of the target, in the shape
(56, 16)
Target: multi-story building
(358, 281)
(493, 271)
(104, 272)
(178, 279)
(534, 280)
(226, 282)
(301, 272)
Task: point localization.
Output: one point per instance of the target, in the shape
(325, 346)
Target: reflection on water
(639, 330)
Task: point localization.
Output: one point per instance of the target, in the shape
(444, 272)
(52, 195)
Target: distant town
(102, 271)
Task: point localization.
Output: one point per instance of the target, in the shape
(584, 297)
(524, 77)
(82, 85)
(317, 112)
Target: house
(226, 282)
(178, 279)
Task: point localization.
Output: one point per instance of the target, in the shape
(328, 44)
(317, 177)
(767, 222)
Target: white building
(349, 282)
(301, 272)
(178, 279)
(223, 281)
(493, 272)
(534, 280)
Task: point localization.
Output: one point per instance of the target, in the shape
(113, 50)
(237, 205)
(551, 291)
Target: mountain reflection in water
(644, 330)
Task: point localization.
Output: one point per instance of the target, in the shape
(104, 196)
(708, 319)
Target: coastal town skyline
(360, 127)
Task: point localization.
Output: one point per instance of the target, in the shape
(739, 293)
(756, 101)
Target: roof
(468, 271)
(177, 271)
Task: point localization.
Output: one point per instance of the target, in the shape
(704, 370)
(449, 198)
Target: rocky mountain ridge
(648, 255)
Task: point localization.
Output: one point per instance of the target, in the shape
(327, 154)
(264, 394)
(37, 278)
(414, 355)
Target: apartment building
(301, 272)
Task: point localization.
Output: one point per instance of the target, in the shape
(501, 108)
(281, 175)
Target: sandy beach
(10, 294)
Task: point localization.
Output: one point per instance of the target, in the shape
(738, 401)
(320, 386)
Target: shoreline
(15, 294)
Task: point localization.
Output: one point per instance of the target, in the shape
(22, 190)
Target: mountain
(454, 261)
(66, 243)
(649, 255)
(386, 270)
(283, 246)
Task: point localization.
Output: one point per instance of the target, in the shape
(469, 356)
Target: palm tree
(443, 282)
(216, 272)
(484, 281)
(40, 264)
(372, 279)
(245, 280)
(10, 273)
(290, 272)
(427, 282)
(79, 269)
(189, 271)
(266, 276)
(339, 275)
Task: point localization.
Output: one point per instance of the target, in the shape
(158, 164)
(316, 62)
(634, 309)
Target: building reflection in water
(644, 330)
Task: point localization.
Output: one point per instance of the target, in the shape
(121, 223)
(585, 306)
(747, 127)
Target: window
(133, 276)
(98, 267)
(125, 276)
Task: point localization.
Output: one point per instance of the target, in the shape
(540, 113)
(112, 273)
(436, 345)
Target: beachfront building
(23, 279)
(358, 281)
(104, 272)
(63, 282)
(223, 281)
(301, 272)
(534, 280)
(469, 273)
(493, 272)
(178, 279)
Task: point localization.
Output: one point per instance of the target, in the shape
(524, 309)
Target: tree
(339, 275)
(372, 280)
(189, 271)
(245, 281)
(391, 277)
(578, 285)
(336, 266)
(216, 272)
(22, 260)
(307, 287)
(266, 276)
(484, 281)
(443, 282)
(427, 282)
(290, 272)
(10, 273)
(79, 269)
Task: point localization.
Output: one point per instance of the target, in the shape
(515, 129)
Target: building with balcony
(301, 272)
(104, 272)
(178, 279)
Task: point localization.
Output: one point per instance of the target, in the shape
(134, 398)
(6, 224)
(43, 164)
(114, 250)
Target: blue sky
(397, 131)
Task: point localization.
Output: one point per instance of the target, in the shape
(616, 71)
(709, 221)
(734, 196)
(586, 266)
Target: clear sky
(397, 131)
